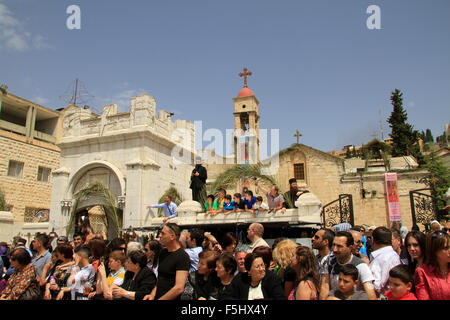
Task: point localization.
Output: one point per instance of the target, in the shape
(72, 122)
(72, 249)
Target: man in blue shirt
(249, 200)
(170, 208)
(194, 240)
(43, 256)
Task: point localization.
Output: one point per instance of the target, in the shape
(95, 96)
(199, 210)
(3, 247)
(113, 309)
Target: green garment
(214, 205)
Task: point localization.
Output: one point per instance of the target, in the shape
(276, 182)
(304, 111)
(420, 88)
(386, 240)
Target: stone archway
(95, 188)
(103, 171)
(99, 207)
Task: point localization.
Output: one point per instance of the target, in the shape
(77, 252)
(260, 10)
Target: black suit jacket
(271, 287)
(142, 285)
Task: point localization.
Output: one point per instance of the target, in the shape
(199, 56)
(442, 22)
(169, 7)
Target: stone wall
(27, 191)
(373, 209)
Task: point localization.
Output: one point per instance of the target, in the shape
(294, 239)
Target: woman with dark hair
(204, 281)
(152, 250)
(432, 278)
(61, 274)
(266, 254)
(305, 264)
(139, 280)
(23, 277)
(98, 250)
(226, 266)
(255, 284)
(415, 243)
(229, 242)
(117, 244)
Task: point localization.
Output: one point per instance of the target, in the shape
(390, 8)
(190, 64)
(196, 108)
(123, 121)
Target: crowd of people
(343, 263)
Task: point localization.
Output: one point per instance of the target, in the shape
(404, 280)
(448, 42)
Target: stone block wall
(27, 191)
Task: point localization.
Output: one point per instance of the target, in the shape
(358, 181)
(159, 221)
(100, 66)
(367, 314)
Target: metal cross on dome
(245, 74)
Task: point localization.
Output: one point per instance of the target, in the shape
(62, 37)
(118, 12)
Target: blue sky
(316, 66)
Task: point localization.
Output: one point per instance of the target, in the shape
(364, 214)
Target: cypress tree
(405, 138)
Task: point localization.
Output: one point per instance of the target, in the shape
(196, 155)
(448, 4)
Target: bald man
(254, 233)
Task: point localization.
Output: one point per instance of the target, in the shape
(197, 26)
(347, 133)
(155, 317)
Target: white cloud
(14, 36)
(411, 104)
(121, 98)
(41, 100)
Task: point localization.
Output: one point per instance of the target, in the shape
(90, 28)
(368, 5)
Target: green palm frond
(230, 177)
(97, 189)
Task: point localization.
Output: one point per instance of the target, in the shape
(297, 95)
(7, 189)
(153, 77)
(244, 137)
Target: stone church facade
(134, 153)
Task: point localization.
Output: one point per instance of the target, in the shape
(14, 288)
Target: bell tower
(246, 124)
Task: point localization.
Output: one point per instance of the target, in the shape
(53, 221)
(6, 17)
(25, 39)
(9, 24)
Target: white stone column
(59, 218)
(7, 228)
(133, 200)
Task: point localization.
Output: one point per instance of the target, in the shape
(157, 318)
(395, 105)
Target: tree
(405, 138)
(439, 179)
(348, 155)
(3, 206)
(377, 148)
(429, 136)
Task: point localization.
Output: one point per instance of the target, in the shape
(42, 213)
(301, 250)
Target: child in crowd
(238, 203)
(82, 277)
(220, 201)
(210, 205)
(228, 206)
(400, 283)
(259, 207)
(116, 276)
(347, 283)
(249, 200)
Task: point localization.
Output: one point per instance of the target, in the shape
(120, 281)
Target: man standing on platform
(274, 199)
(169, 207)
(198, 181)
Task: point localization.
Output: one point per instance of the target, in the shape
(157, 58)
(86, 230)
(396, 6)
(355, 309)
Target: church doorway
(95, 211)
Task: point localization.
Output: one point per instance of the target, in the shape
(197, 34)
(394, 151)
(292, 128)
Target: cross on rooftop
(298, 135)
(245, 74)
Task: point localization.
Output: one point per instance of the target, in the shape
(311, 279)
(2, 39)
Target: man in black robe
(198, 182)
(293, 194)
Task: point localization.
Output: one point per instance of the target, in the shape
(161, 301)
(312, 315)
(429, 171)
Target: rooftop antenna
(76, 94)
(381, 124)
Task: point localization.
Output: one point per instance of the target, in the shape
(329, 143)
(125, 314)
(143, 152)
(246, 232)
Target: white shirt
(365, 275)
(255, 293)
(83, 276)
(381, 262)
(257, 243)
(263, 206)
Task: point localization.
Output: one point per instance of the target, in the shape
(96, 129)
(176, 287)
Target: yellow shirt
(116, 278)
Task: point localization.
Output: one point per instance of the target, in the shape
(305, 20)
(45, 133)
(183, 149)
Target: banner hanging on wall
(392, 197)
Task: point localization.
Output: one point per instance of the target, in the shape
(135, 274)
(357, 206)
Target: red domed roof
(245, 92)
